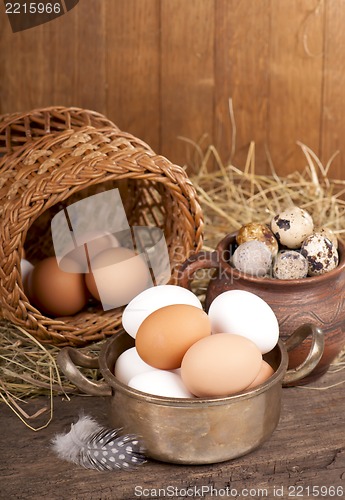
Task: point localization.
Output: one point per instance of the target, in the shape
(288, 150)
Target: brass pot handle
(314, 355)
(68, 359)
(200, 260)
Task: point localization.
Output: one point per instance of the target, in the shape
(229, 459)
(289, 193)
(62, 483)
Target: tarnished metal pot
(193, 431)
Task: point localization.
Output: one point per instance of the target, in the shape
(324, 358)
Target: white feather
(67, 446)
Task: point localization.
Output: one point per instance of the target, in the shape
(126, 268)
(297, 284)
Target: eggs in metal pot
(244, 313)
(152, 299)
(129, 364)
(220, 365)
(160, 383)
(266, 371)
(166, 334)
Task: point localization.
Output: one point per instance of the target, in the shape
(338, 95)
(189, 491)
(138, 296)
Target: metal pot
(193, 431)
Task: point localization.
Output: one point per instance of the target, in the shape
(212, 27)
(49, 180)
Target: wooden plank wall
(166, 69)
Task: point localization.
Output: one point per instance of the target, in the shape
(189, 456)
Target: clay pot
(317, 300)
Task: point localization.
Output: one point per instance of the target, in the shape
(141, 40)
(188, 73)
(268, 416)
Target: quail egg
(252, 257)
(327, 233)
(320, 253)
(259, 232)
(292, 226)
(290, 265)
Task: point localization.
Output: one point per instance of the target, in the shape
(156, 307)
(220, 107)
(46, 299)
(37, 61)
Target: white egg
(160, 383)
(25, 268)
(244, 313)
(129, 364)
(152, 299)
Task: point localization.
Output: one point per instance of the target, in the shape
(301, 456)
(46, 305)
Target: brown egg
(56, 292)
(258, 232)
(166, 334)
(220, 365)
(266, 371)
(119, 274)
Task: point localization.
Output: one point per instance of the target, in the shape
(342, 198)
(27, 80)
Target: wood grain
(187, 76)
(166, 70)
(306, 449)
(19, 85)
(333, 109)
(242, 45)
(132, 66)
(88, 50)
(52, 63)
(296, 65)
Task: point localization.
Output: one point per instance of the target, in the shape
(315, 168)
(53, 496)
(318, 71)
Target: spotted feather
(95, 447)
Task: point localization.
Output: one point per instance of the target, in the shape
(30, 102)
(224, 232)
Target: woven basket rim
(16, 129)
(7, 119)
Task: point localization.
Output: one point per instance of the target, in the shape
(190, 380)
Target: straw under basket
(52, 157)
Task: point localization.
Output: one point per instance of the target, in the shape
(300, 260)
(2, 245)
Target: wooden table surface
(305, 457)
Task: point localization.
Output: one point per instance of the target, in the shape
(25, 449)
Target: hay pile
(28, 369)
(230, 197)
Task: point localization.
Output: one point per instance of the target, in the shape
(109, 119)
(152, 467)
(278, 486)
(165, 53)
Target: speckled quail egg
(327, 233)
(252, 257)
(259, 232)
(290, 265)
(320, 253)
(292, 226)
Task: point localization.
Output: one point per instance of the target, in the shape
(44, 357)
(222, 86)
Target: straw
(29, 369)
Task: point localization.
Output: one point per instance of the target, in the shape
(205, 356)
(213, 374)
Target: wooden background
(166, 69)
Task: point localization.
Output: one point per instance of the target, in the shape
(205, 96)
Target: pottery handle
(314, 355)
(68, 359)
(200, 260)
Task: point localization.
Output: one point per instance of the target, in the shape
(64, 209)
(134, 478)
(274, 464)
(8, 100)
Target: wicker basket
(56, 156)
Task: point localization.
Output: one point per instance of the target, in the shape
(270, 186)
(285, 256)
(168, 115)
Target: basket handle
(201, 260)
(68, 359)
